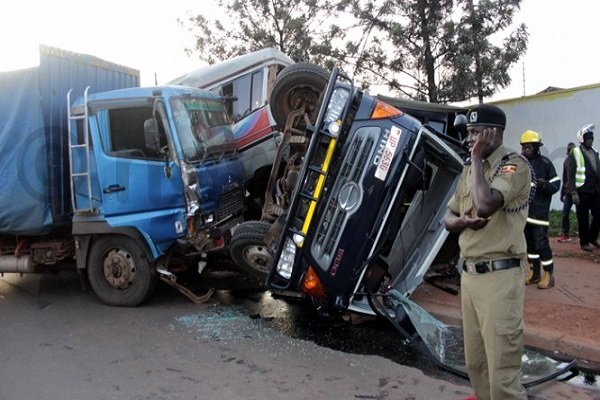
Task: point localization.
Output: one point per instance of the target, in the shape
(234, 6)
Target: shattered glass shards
(446, 344)
(223, 324)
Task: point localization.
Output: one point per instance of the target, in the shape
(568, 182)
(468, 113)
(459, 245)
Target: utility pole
(523, 78)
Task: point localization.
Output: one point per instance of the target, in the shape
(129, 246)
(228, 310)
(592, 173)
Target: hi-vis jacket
(546, 184)
(582, 178)
(580, 165)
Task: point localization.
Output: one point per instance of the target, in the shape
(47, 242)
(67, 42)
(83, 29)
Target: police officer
(545, 184)
(489, 210)
(584, 186)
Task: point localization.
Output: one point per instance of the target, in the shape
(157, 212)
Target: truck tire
(294, 86)
(248, 248)
(119, 272)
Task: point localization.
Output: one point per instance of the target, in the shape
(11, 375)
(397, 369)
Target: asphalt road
(58, 342)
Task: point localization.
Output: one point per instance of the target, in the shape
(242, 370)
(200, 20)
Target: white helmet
(589, 128)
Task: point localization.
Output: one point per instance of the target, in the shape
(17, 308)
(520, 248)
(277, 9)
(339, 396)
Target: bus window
(257, 90)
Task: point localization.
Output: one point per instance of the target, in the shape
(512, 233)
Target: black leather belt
(487, 266)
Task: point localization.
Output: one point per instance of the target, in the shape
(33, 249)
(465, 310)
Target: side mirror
(229, 99)
(151, 135)
(460, 124)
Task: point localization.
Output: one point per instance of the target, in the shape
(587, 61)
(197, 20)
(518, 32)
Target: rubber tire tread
(294, 75)
(146, 277)
(250, 233)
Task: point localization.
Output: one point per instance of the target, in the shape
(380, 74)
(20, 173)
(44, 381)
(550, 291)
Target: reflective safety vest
(580, 164)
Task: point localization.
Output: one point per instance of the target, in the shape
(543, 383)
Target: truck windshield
(203, 127)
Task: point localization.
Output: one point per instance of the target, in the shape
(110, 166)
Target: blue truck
(125, 184)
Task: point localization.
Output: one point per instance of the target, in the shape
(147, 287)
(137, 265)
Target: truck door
(138, 181)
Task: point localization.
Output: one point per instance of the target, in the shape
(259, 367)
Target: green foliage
(556, 223)
(434, 50)
(480, 66)
(298, 28)
(407, 48)
(440, 50)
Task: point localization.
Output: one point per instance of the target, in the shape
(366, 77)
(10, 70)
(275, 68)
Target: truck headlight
(209, 219)
(286, 259)
(336, 105)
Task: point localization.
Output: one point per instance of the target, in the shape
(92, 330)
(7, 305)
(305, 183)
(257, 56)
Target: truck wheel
(248, 248)
(295, 86)
(119, 272)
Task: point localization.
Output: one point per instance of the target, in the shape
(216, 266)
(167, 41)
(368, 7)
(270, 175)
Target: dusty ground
(574, 308)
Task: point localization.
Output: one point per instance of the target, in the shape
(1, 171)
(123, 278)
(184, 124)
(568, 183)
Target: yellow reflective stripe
(533, 256)
(547, 262)
(317, 192)
(537, 221)
(556, 178)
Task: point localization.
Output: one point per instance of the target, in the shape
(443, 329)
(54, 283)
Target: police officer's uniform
(492, 284)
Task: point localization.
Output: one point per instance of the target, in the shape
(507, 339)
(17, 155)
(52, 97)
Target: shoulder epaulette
(503, 161)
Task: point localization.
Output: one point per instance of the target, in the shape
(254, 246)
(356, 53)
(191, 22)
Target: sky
(562, 51)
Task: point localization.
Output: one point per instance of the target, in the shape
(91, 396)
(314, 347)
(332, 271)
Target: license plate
(387, 156)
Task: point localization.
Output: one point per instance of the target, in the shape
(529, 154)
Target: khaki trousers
(492, 308)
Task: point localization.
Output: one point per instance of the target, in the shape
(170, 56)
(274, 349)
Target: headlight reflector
(336, 105)
(286, 259)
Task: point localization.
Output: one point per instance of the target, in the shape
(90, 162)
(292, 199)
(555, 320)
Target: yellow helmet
(530, 136)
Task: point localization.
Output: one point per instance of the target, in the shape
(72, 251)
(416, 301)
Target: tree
(426, 52)
(298, 28)
(435, 50)
(482, 67)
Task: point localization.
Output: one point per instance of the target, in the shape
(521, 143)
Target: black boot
(533, 276)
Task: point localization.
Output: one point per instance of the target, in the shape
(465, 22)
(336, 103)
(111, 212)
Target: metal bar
(70, 141)
(87, 148)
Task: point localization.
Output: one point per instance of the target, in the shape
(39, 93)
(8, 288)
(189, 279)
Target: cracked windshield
(204, 127)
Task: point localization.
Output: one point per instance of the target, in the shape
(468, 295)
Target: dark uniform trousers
(492, 305)
(588, 231)
(538, 247)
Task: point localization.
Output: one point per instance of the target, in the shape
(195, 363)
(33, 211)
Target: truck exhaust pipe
(20, 265)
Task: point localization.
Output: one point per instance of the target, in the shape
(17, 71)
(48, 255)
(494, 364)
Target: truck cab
(367, 211)
(159, 167)
(246, 83)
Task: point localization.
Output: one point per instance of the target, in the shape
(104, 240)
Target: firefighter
(545, 182)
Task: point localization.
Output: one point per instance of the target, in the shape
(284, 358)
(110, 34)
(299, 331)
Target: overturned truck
(361, 217)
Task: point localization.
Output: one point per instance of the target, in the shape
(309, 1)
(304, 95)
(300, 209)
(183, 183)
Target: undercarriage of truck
(365, 221)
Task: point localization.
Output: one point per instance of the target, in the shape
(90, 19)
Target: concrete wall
(557, 116)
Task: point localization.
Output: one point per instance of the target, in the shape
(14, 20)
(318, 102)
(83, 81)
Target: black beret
(486, 115)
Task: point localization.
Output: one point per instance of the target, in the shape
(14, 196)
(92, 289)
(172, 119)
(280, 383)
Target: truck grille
(334, 218)
(230, 202)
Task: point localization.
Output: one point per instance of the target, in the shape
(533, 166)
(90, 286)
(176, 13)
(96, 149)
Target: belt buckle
(483, 267)
(471, 268)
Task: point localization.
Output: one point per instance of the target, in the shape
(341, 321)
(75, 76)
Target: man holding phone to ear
(489, 210)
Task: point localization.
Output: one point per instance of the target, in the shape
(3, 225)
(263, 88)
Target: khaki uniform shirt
(503, 236)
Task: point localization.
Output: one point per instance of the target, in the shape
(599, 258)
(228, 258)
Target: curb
(585, 351)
